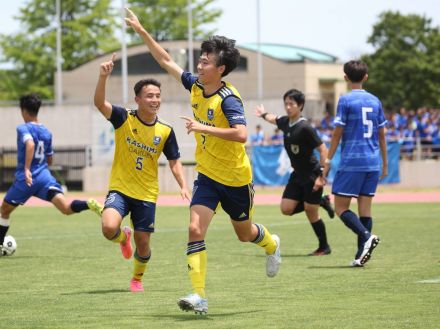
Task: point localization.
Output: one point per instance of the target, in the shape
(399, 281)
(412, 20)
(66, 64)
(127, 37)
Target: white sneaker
(369, 246)
(356, 263)
(193, 302)
(273, 261)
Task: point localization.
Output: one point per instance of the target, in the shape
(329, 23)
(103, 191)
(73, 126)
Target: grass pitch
(66, 275)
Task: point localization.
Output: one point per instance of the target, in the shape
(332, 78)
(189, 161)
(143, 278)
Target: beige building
(318, 75)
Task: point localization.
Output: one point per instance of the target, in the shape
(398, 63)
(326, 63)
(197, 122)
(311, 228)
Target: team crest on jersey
(210, 114)
(156, 140)
(294, 148)
(195, 106)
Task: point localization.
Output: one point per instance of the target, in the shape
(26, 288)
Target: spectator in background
(257, 138)
(327, 121)
(277, 138)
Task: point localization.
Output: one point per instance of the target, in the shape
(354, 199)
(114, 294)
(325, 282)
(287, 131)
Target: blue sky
(338, 27)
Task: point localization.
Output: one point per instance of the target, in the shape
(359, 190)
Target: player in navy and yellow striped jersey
(140, 137)
(225, 175)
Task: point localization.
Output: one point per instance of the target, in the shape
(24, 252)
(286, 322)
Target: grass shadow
(98, 292)
(196, 317)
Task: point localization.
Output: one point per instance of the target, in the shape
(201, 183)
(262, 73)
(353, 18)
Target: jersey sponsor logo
(133, 142)
(294, 148)
(156, 140)
(205, 123)
(211, 114)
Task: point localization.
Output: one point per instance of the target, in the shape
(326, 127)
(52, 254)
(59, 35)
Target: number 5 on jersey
(139, 163)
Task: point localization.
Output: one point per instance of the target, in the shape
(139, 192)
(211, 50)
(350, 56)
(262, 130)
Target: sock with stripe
(197, 264)
(264, 239)
(119, 237)
(140, 265)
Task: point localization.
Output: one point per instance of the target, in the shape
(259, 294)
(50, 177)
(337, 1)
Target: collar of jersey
(214, 93)
(297, 121)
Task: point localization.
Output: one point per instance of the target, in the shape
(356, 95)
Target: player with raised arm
(224, 171)
(304, 190)
(32, 176)
(140, 138)
(360, 126)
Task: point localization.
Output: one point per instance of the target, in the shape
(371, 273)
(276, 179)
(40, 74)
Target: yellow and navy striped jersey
(137, 150)
(221, 160)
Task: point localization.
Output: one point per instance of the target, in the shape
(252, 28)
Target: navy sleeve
(282, 123)
(118, 116)
(234, 111)
(171, 149)
(188, 80)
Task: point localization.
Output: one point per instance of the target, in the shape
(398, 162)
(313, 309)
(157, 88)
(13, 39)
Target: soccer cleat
(321, 251)
(325, 203)
(193, 302)
(356, 263)
(126, 248)
(136, 286)
(95, 206)
(369, 246)
(273, 261)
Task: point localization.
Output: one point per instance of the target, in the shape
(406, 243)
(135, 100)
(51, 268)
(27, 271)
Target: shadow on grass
(195, 317)
(98, 292)
(334, 266)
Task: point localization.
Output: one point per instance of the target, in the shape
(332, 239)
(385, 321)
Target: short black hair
(296, 95)
(355, 70)
(31, 103)
(145, 82)
(224, 49)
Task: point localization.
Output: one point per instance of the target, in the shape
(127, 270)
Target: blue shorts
(142, 213)
(237, 202)
(353, 184)
(44, 186)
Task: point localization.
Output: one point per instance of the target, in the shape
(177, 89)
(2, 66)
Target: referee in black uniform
(304, 191)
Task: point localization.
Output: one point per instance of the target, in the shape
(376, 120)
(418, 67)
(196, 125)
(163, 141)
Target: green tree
(87, 31)
(405, 66)
(168, 19)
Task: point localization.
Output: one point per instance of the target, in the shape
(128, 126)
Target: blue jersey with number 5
(361, 116)
(42, 139)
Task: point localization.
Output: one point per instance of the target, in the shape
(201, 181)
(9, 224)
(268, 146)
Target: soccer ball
(9, 246)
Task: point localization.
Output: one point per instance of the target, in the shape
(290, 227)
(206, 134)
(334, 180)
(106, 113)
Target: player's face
(207, 69)
(149, 99)
(293, 110)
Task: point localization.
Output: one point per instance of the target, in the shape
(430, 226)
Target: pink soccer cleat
(126, 248)
(136, 285)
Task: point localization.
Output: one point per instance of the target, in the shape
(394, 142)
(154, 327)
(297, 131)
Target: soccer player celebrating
(224, 171)
(360, 126)
(32, 176)
(140, 137)
(305, 186)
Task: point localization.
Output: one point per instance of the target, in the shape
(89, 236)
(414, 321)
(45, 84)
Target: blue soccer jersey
(360, 114)
(42, 138)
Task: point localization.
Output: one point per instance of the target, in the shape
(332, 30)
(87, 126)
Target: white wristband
(328, 161)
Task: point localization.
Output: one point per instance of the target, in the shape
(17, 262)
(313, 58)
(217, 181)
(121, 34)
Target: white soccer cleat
(273, 261)
(193, 302)
(356, 263)
(369, 246)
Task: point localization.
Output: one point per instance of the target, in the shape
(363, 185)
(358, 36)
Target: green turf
(66, 275)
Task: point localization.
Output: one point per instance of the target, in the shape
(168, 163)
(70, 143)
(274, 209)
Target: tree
(168, 19)
(404, 70)
(87, 30)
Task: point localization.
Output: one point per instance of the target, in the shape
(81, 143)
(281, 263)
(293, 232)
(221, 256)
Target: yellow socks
(197, 263)
(140, 265)
(264, 239)
(119, 237)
